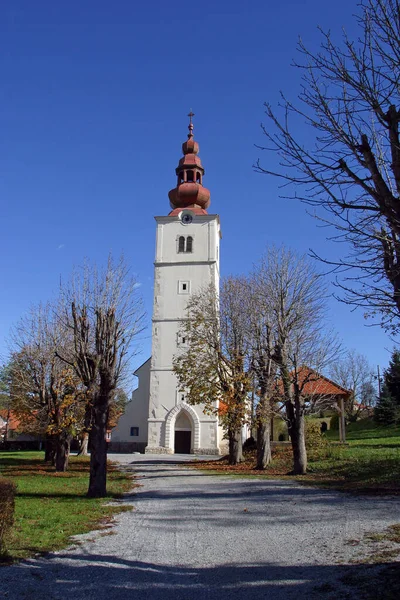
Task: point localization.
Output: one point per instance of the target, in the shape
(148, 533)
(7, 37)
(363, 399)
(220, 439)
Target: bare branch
(349, 165)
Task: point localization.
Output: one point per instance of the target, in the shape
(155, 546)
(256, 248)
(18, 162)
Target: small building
(13, 435)
(322, 394)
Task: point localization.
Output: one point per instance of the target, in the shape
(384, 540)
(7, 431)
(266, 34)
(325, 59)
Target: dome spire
(189, 192)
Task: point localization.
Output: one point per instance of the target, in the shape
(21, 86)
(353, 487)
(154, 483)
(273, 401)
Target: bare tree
(104, 313)
(354, 373)
(213, 368)
(5, 399)
(296, 298)
(348, 164)
(44, 393)
(262, 334)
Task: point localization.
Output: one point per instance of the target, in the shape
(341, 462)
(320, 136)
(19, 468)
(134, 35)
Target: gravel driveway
(203, 537)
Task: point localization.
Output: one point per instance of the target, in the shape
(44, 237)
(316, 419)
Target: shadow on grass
(377, 445)
(14, 461)
(30, 464)
(72, 495)
(107, 576)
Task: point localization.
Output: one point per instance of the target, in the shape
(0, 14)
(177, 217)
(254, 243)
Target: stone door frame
(170, 426)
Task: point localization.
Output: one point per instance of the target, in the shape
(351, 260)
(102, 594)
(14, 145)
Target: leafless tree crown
(348, 166)
(103, 311)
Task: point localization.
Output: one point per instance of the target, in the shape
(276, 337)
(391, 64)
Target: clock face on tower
(186, 218)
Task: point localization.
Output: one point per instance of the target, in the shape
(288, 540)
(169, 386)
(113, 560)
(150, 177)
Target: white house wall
(135, 415)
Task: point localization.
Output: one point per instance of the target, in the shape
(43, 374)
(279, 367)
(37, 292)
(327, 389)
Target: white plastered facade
(177, 275)
(130, 434)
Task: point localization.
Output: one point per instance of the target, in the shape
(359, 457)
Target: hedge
(7, 505)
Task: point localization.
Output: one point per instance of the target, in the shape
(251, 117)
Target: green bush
(7, 505)
(280, 430)
(316, 443)
(335, 422)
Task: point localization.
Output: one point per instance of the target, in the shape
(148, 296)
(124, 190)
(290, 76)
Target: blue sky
(93, 102)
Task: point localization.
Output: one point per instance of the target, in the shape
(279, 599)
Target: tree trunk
(62, 452)
(263, 416)
(83, 448)
(263, 443)
(5, 439)
(50, 449)
(235, 446)
(98, 449)
(295, 418)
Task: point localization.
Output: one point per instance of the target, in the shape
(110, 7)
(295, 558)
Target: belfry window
(190, 176)
(185, 244)
(198, 177)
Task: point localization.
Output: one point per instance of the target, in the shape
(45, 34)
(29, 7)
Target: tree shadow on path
(87, 576)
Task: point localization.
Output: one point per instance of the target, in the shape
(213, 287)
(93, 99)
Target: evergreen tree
(392, 377)
(386, 411)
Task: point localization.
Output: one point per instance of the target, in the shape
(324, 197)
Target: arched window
(198, 177)
(189, 244)
(190, 176)
(181, 244)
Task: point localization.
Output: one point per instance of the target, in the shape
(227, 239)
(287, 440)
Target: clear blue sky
(93, 102)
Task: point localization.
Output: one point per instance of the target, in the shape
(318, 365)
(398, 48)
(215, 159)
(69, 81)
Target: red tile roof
(13, 422)
(315, 384)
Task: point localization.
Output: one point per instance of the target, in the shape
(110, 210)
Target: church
(159, 420)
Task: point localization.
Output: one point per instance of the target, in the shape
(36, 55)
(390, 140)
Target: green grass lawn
(367, 429)
(368, 463)
(50, 507)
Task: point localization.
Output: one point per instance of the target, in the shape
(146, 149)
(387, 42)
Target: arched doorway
(194, 426)
(182, 434)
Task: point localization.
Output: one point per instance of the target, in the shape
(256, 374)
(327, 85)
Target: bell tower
(187, 258)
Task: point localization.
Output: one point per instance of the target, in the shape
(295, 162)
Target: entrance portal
(183, 434)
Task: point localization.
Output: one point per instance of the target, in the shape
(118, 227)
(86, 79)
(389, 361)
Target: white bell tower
(187, 258)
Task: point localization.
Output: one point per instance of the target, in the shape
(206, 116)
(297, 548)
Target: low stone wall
(198, 451)
(206, 451)
(158, 450)
(224, 448)
(127, 447)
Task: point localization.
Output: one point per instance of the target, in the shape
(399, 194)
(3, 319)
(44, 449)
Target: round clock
(187, 218)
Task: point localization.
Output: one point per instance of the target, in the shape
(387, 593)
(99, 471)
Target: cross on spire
(191, 126)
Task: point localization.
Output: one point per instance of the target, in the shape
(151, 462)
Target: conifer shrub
(7, 505)
(249, 444)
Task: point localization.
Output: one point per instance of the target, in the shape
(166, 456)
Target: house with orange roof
(321, 394)
(12, 432)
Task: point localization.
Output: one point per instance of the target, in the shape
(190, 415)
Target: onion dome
(189, 192)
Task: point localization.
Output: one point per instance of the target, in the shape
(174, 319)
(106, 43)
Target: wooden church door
(182, 442)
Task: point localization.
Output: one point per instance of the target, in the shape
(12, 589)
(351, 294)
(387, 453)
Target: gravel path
(203, 537)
